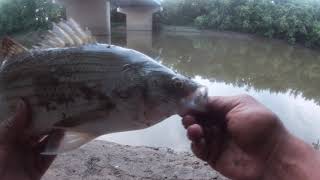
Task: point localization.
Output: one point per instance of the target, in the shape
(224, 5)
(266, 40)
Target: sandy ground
(109, 161)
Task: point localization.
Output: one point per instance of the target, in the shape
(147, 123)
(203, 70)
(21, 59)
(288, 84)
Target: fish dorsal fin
(10, 47)
(66, 34)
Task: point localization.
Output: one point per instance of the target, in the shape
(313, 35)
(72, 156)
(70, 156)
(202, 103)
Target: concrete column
(139, 18)
(94, 14)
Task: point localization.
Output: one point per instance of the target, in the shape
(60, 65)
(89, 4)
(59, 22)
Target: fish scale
(79, 71)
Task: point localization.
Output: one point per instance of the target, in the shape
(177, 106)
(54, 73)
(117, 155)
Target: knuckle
(245, 97)
(271, 115)
(267, 114)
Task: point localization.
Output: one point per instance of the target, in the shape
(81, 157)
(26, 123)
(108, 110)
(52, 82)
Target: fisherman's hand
(20, 157)
(244, 140)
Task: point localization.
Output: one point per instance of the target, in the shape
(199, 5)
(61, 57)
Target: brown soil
(109, 161)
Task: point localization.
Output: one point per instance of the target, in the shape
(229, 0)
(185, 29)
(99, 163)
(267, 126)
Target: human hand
(236, 136)
(20, 157)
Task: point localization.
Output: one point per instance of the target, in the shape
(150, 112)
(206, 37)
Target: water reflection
(284, 78)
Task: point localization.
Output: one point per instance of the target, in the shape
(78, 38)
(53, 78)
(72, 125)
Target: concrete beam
(139, 18)
(138, 3)
(94, 14)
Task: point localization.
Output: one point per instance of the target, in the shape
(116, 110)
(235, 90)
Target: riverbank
(193, 31)
(290, 20)
(101, 160)
(31, 38)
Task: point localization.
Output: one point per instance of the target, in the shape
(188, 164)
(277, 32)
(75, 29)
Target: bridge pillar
(139, 18)
(94, 14)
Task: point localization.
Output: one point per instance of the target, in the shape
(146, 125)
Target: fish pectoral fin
(10, 47)
(64, 141)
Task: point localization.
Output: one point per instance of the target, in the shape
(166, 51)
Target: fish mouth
(196, 101)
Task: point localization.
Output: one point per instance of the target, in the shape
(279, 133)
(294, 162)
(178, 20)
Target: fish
(80, 89)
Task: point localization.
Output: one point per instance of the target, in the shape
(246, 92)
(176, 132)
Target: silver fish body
(79, 89)
(94, 89)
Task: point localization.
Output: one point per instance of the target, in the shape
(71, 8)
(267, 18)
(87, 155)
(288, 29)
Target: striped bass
(82, 89)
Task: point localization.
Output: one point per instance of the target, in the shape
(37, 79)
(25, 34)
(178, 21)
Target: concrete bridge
(139, 13)
(95, 14)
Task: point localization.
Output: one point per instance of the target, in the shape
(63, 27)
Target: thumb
(14, 126)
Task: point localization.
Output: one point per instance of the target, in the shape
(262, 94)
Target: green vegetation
(292, 20)
(24, 15)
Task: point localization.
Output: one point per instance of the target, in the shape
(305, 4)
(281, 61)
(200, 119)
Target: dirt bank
(103, 160)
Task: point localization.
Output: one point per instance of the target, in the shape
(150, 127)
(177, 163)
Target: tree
(22, 15)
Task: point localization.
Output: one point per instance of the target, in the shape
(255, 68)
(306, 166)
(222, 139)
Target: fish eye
(177, 83)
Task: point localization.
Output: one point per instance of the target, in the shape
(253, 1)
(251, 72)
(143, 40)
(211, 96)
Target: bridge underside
(138, 13)
(138, 3)
(95, 14)
(139, 18)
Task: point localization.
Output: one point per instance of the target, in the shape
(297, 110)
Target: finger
(200, 149)
(188, 121)
(195, 132)
(215, 115)
(216, 139)
(22, 117)
(18, 123)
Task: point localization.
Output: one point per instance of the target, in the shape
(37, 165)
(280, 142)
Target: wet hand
(20, 157)
(236, 136)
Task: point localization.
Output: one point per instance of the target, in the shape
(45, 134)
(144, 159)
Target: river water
(284, 78)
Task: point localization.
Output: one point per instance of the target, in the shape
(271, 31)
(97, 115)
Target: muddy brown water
(285, 78)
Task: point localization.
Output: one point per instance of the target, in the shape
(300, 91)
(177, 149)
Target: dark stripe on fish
(105, 107)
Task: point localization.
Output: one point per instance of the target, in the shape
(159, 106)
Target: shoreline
(29, 37)
(194, 31)
(101, 160)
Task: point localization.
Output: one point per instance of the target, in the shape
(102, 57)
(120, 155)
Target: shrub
(292, 20)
